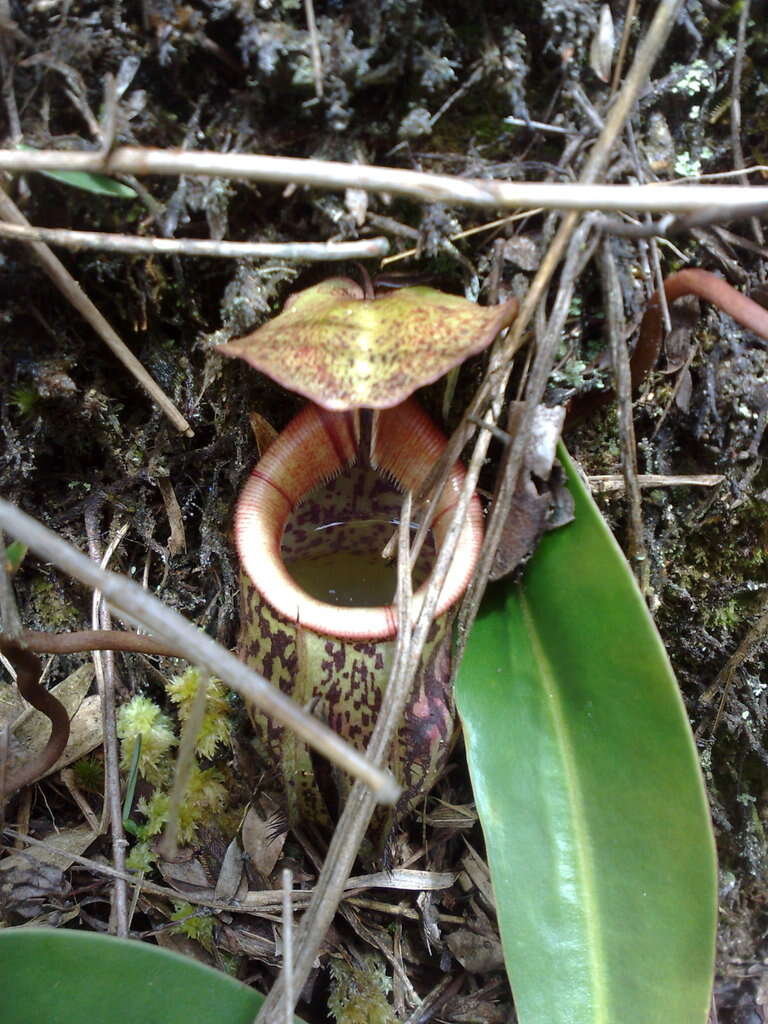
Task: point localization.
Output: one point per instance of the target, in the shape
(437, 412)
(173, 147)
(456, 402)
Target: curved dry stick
(88, 640)
(28, 672)
(690, 281)
(21, 654)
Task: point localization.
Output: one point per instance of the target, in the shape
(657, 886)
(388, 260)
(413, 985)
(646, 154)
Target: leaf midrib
(585, 865)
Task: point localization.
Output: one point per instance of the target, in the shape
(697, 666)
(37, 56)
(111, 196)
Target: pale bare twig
(287, 972)
(317, 252)
(314, 47)
(75, 295)
(351, 827)
(424, 187)
(539, 126)
(670, 225)
(263, 903)
(104, 666)
(614, 311)
(629, 19)
(199, 649)
(185, 759)
(610, 482)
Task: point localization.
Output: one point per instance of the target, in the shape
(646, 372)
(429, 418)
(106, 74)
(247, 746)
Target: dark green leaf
(88, 181)
(99, 184)
(52, 976)
(589, 791)
(14, 556)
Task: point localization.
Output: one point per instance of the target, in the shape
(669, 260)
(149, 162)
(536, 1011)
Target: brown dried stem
(318, 252)
(354, 820)
(423, 187)
(614, 311)
(104, 666)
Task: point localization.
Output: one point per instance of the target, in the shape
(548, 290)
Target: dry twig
(614, 307)
(317, 252)
(429, 188)
(104, 665)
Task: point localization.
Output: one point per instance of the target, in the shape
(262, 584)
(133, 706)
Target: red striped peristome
(315, 447)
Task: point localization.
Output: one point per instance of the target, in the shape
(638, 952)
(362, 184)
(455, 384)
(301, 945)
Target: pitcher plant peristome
(336, 658)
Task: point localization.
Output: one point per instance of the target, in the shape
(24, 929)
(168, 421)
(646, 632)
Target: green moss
(25, 398)
(726, 616)
(51, 607)
(89, 774)
(194, 922)
(215, 729)
(359, 992)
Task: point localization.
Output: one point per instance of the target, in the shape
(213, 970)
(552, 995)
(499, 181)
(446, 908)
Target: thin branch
(539, 126)
(318, 252)
(104, 666)
(138, 605)
(86, 640)
(314, 47)
(290, 998)
(670, 225)
(351, 827)
(612, 482)
(629, 20)
(75, 295)
(258, 903)
(430, 188)
(614, 310)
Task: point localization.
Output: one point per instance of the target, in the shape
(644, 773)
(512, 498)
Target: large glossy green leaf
(54, 976)
(589, 792)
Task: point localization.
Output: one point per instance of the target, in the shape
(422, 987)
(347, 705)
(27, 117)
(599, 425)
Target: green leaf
(88, 181)
(589, 791)
(14, 556)
(52, 976)
(99, 184)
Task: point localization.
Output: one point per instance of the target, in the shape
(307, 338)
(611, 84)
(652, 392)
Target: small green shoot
(98, 184)
(14, 556)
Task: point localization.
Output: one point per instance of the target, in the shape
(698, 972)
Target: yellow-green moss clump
(359, 992)
(148, 737)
